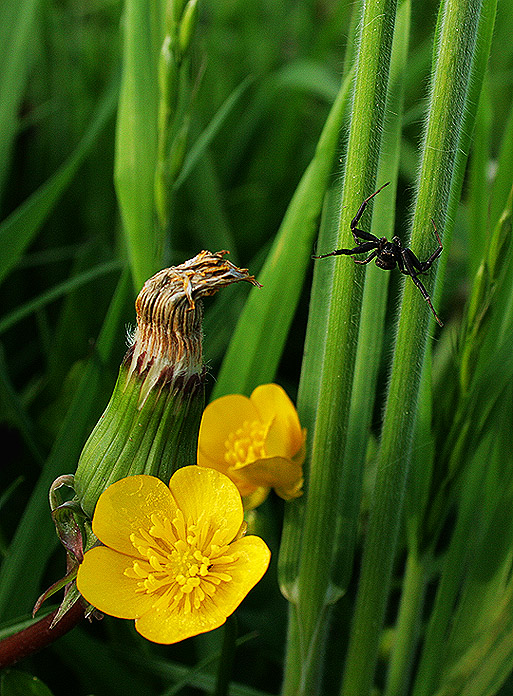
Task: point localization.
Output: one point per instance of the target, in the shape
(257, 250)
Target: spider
(388, 255)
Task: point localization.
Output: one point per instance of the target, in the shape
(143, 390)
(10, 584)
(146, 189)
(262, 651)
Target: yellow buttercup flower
(174, 558)
(257, 442)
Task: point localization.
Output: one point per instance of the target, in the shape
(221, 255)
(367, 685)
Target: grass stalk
(291, 547)
(458, 25)
(315, 590)
(18, 22)
(374, 304)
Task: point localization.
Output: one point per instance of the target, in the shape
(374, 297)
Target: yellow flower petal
(181, 575)
(165, 626)
(282, 474)
(170, 627)
(220, 418)
(253, 558)
(284, 438)
(210, 497)
(102, 582)
(237, 432)
(126, 506)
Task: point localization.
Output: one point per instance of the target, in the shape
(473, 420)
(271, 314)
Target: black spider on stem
(388, 255)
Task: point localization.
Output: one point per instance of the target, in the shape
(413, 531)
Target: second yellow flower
(257, 442)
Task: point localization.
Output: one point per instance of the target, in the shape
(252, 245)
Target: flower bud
(151, 423)
(187, 26)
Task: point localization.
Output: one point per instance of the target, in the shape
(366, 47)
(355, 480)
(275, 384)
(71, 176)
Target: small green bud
(151, 423)
(187, 26)
(173, 12)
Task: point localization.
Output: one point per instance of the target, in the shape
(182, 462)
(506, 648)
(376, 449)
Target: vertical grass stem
(315, 589)
(457, 35)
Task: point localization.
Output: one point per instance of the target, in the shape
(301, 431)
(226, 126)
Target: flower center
(247, 444)
(182, 563)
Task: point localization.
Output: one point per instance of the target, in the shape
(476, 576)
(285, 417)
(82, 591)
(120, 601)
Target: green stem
(408, 627)
(457, 38)
(136, 139)
(374, 304)
(315, 588)
(225, 669)
(304, 662)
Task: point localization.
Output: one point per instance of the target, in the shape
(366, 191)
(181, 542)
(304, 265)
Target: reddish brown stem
(38, 635)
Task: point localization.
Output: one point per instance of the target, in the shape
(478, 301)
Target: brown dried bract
(168, 338)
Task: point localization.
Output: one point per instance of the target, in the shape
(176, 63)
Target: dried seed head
(167, 343)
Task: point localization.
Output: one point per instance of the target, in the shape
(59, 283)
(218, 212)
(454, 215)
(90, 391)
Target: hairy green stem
(456, 44)
(374, 304)
(315, 588)
(136, 139)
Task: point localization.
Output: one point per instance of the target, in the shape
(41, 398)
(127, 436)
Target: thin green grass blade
(502, 315)
(14, 411)
(297, 76)
(209, 133)
(17, 30)
(478, 194)
(478, 650)
(204, 188)
(309, 76)
(504, 176)
(102, 670)
(257, 344)
(35, 536)
(461, 561)
(291, 546)
(479, 68)
(19, 229)
(199, 677)
(58, 291)
(136, 139)
(308, 394)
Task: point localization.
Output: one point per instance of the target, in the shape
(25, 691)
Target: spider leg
(427, 298)
(400, 262)
(359, 214)
(362, 248)
(412, 267)
(368, 259)
(423, 266)
(429, 262)
(361, 234)
(371, 242)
